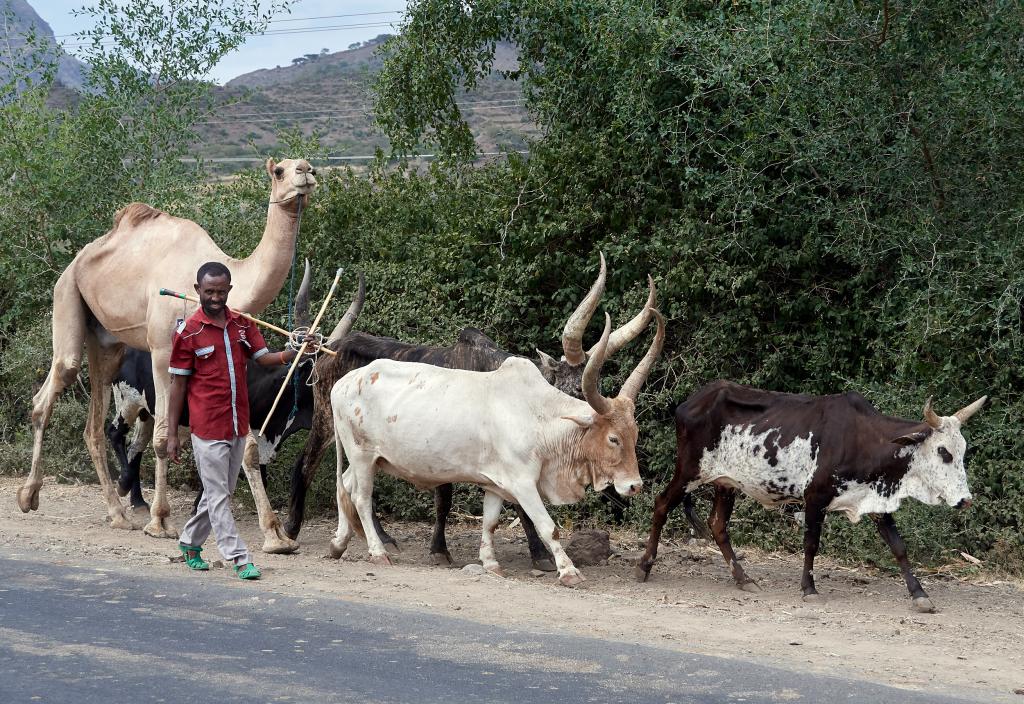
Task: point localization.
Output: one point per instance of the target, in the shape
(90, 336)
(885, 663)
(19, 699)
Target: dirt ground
(972, 647)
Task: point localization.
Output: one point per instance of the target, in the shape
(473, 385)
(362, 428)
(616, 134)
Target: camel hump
(135, 213)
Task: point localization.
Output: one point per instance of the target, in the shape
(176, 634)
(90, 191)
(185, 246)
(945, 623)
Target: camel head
(291, 180)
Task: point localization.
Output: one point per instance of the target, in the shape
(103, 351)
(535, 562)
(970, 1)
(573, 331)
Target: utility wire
(268, 33)
(288, 19)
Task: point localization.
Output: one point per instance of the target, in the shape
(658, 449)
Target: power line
(288, 19)
(270, 33)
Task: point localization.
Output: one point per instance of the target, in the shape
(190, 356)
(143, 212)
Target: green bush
(828, 198)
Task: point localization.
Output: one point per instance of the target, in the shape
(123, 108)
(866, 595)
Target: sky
(295, 33)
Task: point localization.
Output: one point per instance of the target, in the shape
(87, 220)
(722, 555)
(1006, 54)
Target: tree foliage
(828, 195)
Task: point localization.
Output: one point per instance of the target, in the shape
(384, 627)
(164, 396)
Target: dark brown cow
(474, 351)
(833, 453)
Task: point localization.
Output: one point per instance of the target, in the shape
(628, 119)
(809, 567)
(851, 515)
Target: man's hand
(312, 343)
(173, 447)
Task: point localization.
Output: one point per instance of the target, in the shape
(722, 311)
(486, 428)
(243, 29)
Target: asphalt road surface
(101, 632)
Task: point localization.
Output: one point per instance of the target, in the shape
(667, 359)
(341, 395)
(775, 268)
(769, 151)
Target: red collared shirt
(214, 358)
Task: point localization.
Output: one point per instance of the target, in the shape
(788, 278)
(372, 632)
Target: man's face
(213, 294)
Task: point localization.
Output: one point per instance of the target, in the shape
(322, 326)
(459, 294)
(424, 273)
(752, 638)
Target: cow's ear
(913, 438)
(582, 421)
(548, 365)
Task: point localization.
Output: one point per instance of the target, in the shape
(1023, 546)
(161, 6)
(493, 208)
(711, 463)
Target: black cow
(833, 453)
(473, 351)
(133, 403)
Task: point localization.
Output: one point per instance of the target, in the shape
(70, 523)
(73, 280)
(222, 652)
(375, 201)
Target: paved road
(88, 633)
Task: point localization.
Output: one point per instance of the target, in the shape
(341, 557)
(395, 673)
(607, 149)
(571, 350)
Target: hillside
(328, 93)
(70, 71)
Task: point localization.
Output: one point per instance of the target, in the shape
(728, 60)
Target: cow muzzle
(964, 503)
(629, 488)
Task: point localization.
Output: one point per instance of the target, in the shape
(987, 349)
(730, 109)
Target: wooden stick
(298, 357)
(193, 299)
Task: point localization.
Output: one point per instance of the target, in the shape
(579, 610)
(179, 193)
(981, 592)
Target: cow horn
(629, 332)
(636, 380)
(344, 326)
(592, 372)
(965, 413)
(930, 417)
(302, 300)
(572, 335)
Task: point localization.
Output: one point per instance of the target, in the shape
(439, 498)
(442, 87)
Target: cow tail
(349, 508)
(344, 500)
(700, 527)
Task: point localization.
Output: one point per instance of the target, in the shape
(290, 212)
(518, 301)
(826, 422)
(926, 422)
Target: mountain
(329, 93)
(20, 20)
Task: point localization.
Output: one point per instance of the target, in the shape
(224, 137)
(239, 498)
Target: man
(208, 361)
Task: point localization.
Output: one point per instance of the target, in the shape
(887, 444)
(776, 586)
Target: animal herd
(526, 431)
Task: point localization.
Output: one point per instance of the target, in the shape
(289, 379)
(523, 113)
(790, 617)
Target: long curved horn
(572, 335)
(636, 380)
(302, 300)
(344, 326)
(930, 416)
(592, 372)
(965, 413)
(629, 332)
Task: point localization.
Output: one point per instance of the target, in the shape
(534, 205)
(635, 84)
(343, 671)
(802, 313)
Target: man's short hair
(212, 269)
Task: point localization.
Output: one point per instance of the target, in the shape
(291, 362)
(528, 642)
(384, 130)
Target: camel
(108, 297)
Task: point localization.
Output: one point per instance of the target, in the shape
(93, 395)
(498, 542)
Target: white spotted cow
(509, 431)
(833, 453)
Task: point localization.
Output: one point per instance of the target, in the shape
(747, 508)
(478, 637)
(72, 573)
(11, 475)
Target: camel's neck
(258, 278)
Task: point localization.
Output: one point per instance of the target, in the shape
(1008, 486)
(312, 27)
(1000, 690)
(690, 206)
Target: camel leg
(69, 329)
(274, 539)
(103, 363)
(160, 525)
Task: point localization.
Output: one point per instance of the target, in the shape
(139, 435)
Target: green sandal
(193, 557)
(247, 571)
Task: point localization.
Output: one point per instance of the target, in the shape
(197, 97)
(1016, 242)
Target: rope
(291, 304)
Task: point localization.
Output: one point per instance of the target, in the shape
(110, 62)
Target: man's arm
(175, 402)
(276, 359)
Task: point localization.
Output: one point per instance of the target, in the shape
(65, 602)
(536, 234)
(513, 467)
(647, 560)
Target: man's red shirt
(214, 358)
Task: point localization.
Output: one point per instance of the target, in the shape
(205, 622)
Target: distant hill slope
(70, 71)
(330, 93)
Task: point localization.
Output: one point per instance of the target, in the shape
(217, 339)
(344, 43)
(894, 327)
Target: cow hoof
(814, 598)
(924, 605)
(141, 510)
(751, 587)
(336, 550)
(442, 559)
(571, 579)
(496, 570)
(28, 497)
(393, 547)
(279, 546)
(160, 528)
(545, 564)
(640, 573)
(119, 521)
(382, 560)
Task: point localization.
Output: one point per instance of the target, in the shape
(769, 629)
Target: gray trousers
(218, 462)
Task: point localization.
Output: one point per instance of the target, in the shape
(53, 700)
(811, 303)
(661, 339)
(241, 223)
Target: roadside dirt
(866, 629)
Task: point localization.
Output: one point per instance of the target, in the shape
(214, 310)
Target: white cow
(509, 431)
